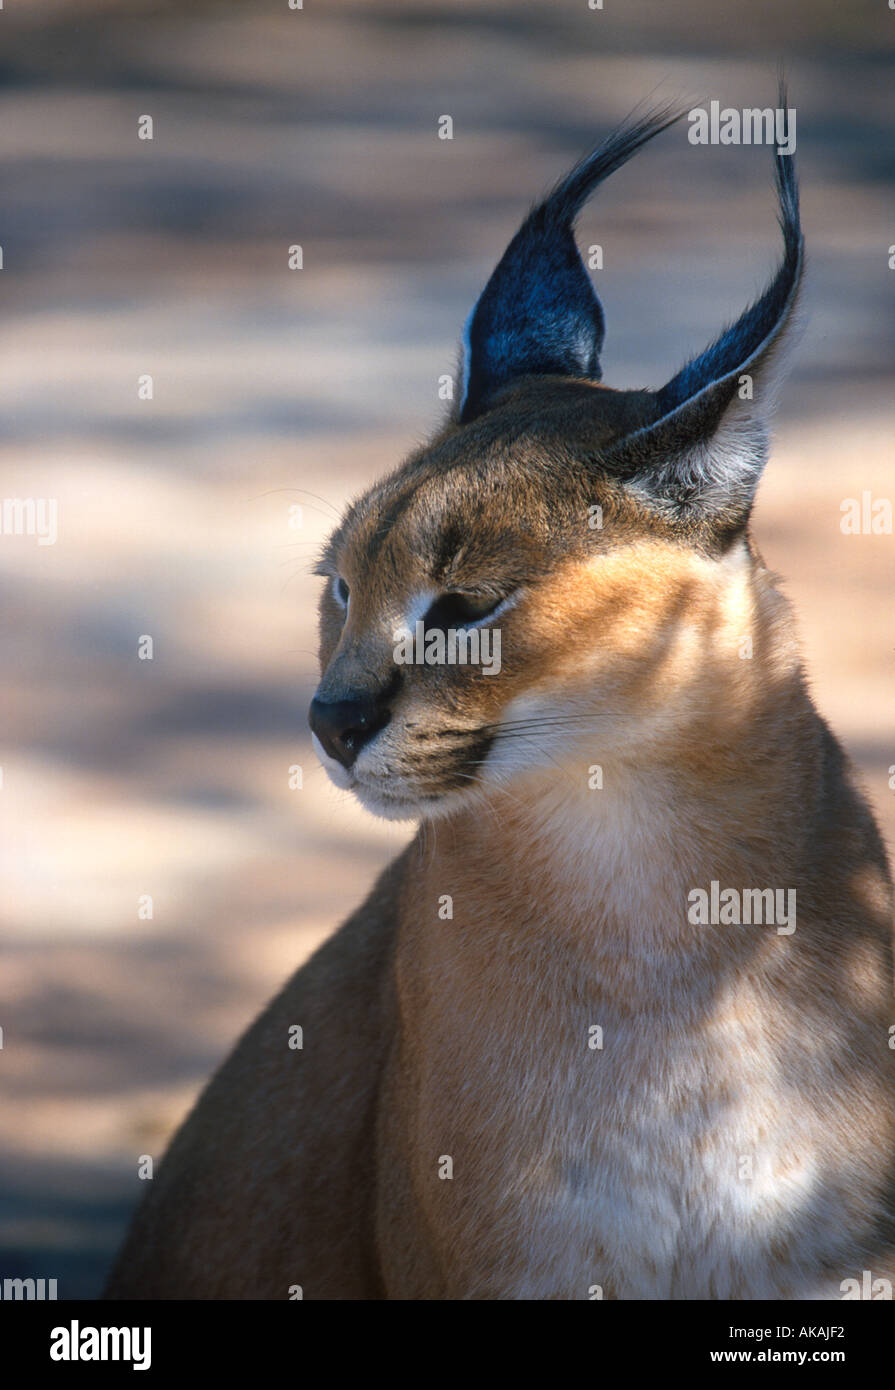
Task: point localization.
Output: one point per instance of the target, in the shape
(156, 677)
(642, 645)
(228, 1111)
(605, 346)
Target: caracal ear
(701, 460)
(539, 313)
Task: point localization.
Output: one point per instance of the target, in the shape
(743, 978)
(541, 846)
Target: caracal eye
(459, 610)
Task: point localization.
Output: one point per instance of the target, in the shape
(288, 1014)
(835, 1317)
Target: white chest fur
(619, 1117)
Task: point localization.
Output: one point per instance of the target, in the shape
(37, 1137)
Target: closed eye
(463, 610)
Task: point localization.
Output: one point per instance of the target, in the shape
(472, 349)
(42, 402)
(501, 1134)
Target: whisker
(504, 789)
(302, 492)
(548, 719)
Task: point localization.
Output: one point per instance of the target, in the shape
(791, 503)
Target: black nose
(344, 726)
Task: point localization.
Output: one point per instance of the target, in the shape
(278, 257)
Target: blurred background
(276, 389)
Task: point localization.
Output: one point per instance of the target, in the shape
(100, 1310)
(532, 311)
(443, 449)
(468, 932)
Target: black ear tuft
(762, 319)
(539, 313)
(704, 454)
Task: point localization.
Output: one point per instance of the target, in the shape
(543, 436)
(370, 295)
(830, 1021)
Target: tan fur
(451, 1129)
(575, 1168)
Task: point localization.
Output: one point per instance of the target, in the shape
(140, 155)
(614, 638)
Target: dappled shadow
(171, 778)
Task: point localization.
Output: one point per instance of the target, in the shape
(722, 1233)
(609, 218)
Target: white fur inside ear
(723, 470)
(714, 472)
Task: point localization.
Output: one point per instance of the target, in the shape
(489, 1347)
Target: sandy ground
(275, 389)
